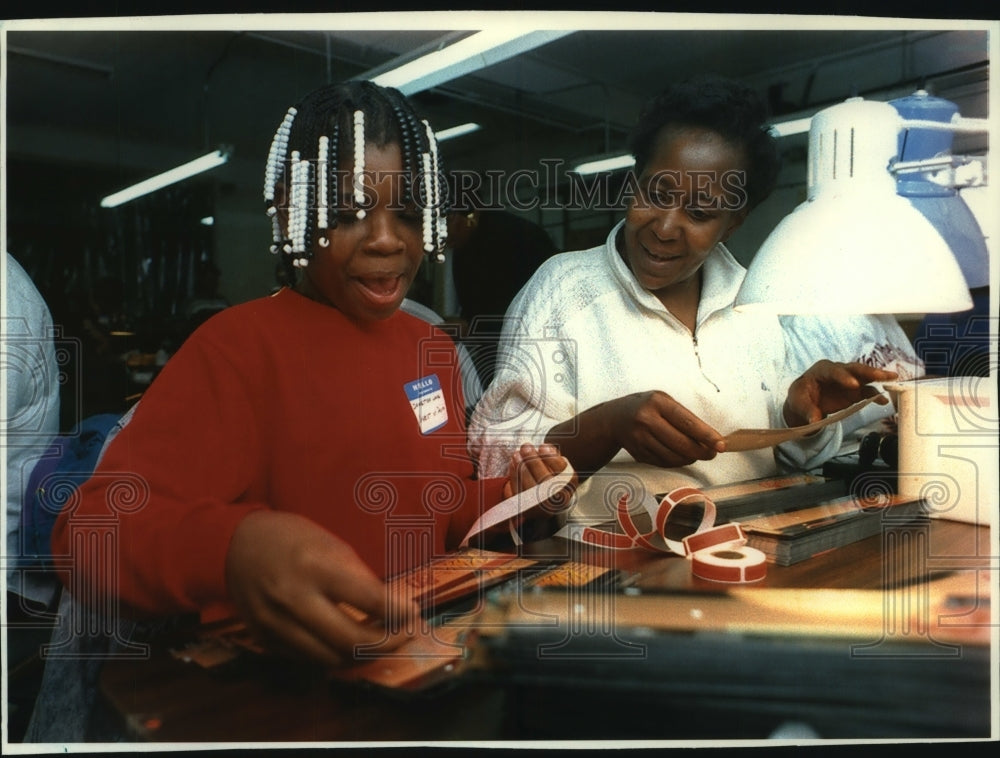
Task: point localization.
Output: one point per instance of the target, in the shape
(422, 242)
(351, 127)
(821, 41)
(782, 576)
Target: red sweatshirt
(278, 403)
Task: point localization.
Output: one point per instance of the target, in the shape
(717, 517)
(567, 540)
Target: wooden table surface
(258, 699)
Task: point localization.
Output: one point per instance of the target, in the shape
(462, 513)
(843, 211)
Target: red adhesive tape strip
(729, 564)
(670, 501)
(728, 534)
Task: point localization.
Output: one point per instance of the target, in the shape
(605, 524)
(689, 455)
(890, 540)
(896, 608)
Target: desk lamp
(885, 231)
(856, 245)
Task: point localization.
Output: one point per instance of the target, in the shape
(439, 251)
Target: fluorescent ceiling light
(457, 131)
(174, 175)
(611, 163)
(470, 54)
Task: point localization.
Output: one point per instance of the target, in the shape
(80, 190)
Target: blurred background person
(31, 381)
(494, 252)
(31, 422)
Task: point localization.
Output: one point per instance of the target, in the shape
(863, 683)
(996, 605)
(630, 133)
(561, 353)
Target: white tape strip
(755, 439)
(521, 504)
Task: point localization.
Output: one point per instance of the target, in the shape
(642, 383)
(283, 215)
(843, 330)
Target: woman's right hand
(288, 577)
(656, 429)
(652, 426)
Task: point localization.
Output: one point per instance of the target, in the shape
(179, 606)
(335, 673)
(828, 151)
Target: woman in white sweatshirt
(630, 355)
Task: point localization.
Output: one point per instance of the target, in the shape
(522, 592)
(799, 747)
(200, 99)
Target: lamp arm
(953, 171)
(957, 124)
(940, 161)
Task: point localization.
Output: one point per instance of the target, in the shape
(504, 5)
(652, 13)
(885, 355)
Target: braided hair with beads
(330, 123)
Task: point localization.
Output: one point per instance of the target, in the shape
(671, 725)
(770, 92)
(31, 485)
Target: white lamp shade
(854, 246)
(850, 254)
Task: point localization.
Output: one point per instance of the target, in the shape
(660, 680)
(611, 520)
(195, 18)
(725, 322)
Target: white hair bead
(427, 213)
(321, 165)
(276, 154)
(359, 160)
(435, 220)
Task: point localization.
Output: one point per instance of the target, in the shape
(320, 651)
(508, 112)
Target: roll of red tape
(728, 563)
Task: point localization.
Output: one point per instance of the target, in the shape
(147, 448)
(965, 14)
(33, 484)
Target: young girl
(300, 448)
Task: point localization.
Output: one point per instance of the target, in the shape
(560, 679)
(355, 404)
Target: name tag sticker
(427, 401)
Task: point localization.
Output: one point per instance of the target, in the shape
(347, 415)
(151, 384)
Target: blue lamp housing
(943, 206)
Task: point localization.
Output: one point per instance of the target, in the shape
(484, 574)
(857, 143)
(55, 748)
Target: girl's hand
(289, 578)
(530, 466)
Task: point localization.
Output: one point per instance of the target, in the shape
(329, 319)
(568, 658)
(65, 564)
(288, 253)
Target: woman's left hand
(827, 387)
